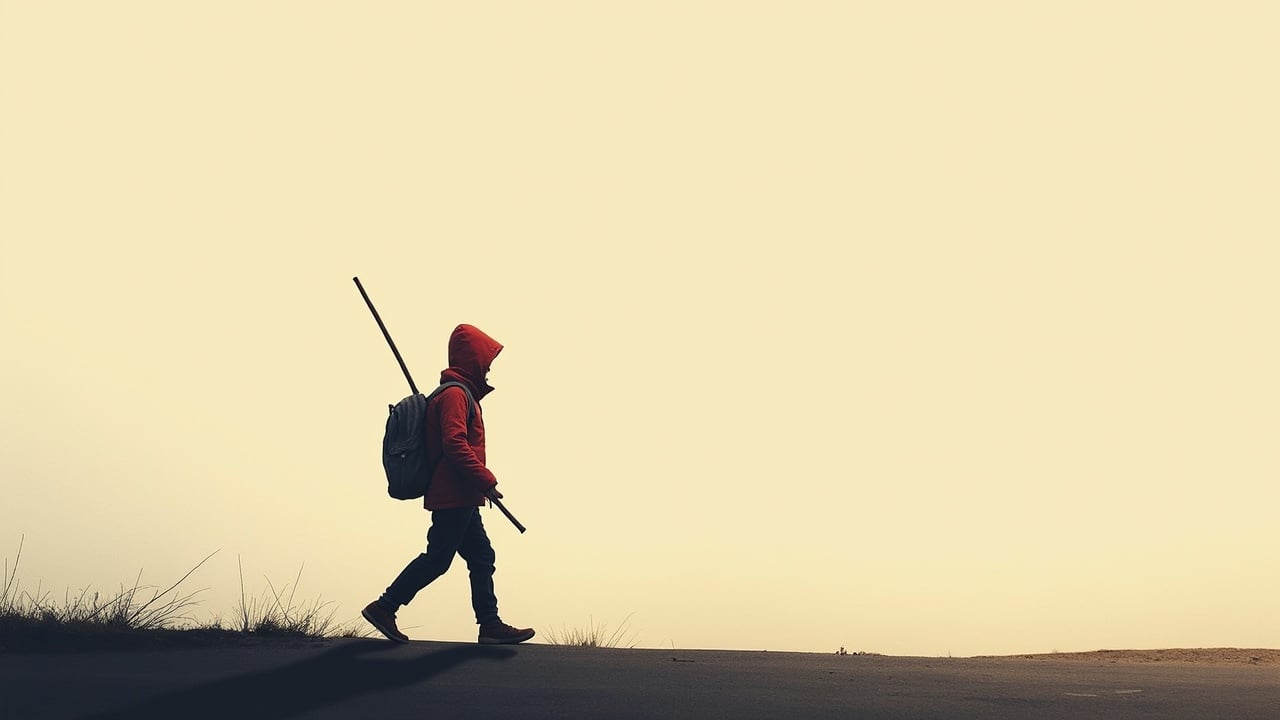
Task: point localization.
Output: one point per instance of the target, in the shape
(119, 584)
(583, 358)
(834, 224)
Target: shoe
(500, 633)
(385, 621)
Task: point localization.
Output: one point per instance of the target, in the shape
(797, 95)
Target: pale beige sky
(915, 328)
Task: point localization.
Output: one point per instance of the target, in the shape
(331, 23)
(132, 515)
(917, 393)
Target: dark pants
(460, 531)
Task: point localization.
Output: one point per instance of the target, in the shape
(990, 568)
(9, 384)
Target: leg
(478, 552)
(476, 549)
(449, 530)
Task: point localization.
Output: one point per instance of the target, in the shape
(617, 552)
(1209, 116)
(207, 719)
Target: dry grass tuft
(593, 635)
(143, 615)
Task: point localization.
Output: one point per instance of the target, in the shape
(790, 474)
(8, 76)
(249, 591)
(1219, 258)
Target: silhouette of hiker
(458, 489)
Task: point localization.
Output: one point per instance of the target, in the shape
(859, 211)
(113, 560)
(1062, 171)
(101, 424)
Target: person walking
(459, 486)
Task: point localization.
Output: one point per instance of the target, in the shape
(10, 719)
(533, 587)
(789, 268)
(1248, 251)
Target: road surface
(368, 678)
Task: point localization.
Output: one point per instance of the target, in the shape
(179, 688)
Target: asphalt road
(378, 679)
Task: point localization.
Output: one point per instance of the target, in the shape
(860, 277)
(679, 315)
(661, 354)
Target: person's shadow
(333, 676)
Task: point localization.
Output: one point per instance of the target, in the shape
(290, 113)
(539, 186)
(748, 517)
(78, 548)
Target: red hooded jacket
(461, 478)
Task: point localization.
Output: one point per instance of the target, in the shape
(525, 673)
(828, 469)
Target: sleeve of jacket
(456, 443)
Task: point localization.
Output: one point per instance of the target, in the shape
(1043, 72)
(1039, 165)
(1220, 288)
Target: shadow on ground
(332, 677)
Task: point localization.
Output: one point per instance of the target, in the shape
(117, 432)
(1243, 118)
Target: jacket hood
(471, 352)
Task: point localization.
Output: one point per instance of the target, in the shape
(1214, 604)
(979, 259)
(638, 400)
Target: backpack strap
(471, 404)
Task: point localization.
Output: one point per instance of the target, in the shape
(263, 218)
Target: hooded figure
(455, 442)
(456, 446)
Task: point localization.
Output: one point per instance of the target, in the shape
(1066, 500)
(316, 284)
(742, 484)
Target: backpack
(404, 444)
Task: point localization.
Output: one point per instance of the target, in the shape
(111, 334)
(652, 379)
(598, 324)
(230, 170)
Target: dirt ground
(1198, 656)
